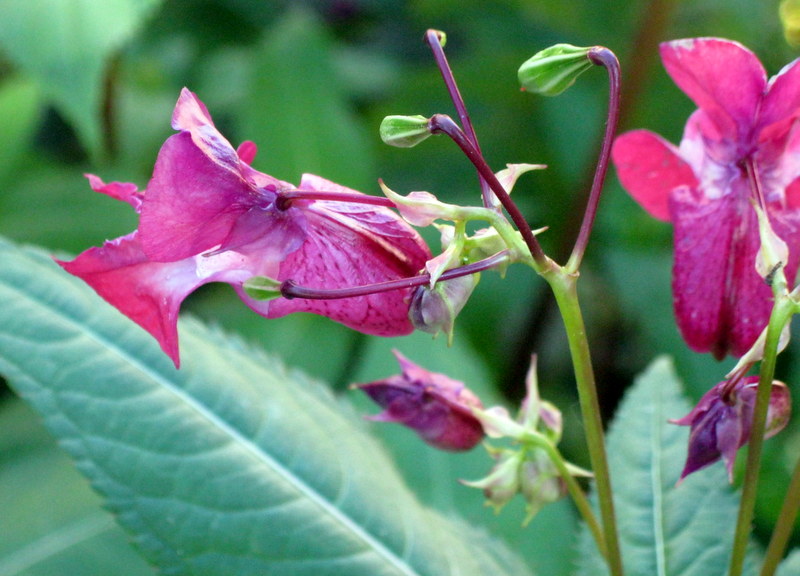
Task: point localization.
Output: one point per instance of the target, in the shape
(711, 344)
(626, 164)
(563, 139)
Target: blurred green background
(89, 86)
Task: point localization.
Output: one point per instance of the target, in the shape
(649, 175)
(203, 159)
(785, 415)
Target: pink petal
(351, 245)
(722, 77)
(702, 236)
(122, 191)
(782, 100)
(649, 168)
(149, 293)
(192, 202)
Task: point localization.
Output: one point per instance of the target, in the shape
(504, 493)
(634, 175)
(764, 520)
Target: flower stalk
(599, 56)
(564, 286)
(782, 312)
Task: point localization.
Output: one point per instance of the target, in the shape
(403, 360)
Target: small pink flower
(435, 406)
(744, 123)
(208, 216)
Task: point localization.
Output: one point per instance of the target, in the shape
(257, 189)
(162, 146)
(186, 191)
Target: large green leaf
(231, 465)
(791, 564)
(666, 529)
(51, 521)
(64, 46)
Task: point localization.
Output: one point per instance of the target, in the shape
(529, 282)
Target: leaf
(20, 108)
(64, 46)
(231, 465)
(790, 565)
(665, 529)
(51, 522)
(296, 110)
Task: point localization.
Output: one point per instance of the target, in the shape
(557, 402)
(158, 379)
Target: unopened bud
(435, 406)
(262, 288)
(554, 69)
(404, 131)
(435, 309)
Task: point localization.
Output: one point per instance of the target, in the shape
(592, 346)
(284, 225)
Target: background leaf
(791, 565)
(55, 524)
(665, 529)
(65, 45)
(229, 466)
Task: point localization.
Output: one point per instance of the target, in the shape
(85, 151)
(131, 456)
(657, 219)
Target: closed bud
(721, 421)
(404, 131)
(435, 406)
(554, 69)
(435, 309)
(262, 288)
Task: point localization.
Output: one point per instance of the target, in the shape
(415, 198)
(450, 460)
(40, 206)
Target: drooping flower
(435, 406)
(208, 216)
(740, 149)
(721, 421)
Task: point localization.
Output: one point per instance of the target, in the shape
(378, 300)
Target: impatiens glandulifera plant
(730, 190)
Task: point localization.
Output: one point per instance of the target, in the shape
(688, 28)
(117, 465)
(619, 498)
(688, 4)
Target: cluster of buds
(448, 416)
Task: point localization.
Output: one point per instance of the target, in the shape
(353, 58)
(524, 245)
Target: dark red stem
(600, 57)
(444, 124)
(285, 198)
(433, 37)
(291, 290)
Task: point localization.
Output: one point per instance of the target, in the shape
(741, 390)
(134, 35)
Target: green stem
(564, 289)
(781, 313)
(784, 525)
(577, 494)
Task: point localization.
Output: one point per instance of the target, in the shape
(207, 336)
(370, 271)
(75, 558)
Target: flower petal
(149, 293)
(722, 77)
(192, 202)
(351, 245)
(782, 100)
(649, 168)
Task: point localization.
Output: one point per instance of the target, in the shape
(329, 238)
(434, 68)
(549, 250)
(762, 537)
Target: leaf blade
(220, 468)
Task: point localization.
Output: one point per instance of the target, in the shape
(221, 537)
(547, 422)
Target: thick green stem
(564, 288)
(783, 527)
(781, 313)
(577, 494)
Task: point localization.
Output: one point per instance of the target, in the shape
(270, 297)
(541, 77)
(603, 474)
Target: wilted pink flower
(435, 406)
(207, 216)
(722, 419)
(741, 147)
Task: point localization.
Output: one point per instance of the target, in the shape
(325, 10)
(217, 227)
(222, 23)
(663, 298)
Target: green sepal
(404, 131)
(262, 288)
(554, 69)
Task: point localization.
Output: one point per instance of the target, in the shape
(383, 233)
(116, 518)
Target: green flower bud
(262, 288)
(554, 69)
(404, 131)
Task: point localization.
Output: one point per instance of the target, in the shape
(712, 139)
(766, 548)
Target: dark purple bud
(721, 421)
(436, 407)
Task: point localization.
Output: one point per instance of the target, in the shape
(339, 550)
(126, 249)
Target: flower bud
(554, 69)
(435, 309)
(435, 406)
(503, 481)
(540, 483)
(721, 421)
(262, 288)
(404, 131)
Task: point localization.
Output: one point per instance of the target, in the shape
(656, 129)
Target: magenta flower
(207, 216)
(721, 421)
(435, 406)
(742, 146)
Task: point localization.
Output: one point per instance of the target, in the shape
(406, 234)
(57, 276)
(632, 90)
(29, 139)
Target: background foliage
(88, 86)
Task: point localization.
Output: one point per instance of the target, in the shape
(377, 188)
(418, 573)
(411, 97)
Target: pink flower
(208, 216)
(744, 132)
(721, 421)
(435, 406)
